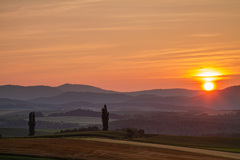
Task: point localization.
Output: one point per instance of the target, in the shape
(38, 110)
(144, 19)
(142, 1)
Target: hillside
(9, 104)
(167, 92)
(226, 99)
(54, 98)
(68, 97)
(28, 92)
(82, 88)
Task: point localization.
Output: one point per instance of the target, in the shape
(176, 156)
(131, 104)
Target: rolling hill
(167, 92)
(82, 88)
(28, 92)
(68, 97)
(53, 97)
(226, 99)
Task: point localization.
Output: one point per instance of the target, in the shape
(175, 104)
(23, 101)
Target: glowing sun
(208, 86)
(208, 77)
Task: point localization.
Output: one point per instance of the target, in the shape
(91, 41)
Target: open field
(93, 150)
(74, 119)
(228, 144)
(22, 132)
(186, 149)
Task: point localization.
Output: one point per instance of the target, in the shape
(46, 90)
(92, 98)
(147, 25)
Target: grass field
(93, 150)
(227, 144)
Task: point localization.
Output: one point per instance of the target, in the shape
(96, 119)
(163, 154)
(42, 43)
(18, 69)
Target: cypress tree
(31, 124)
(105, 118)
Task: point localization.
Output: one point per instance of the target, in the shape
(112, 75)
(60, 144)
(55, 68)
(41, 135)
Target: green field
(227, 144)
(82, 121)
(115, 144)
(22, 132)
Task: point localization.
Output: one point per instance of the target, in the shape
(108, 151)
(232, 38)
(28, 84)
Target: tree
(105, 118)
(31, 124)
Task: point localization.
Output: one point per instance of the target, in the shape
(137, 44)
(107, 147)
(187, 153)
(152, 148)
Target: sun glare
(208, 76)
(208, 86)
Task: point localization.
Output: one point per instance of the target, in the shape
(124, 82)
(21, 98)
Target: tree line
(105, 120)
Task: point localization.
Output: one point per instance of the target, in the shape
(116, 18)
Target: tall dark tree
(31, 124)
(105, 118)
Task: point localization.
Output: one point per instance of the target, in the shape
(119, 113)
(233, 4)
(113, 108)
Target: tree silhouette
(105, 118)
(31, 124)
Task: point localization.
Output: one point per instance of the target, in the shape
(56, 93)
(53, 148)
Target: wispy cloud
(205, 35)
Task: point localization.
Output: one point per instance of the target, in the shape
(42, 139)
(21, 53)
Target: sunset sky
(122, 45)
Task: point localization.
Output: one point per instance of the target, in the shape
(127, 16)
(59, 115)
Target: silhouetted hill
(82, 88)
(167, 92)
(225, 99)
(6, 103)
(30, 92)
(83, 96)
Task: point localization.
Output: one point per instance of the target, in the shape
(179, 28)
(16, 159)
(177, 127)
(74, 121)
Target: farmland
(92, 150)
(115, 145)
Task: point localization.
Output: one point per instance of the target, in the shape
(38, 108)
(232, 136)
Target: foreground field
(228, 144)
(185, 149)
(94, 150)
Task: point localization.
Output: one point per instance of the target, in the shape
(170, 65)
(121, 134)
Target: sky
(123, 45)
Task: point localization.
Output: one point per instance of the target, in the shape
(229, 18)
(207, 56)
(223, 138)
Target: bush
(93, 128)
(134, 132)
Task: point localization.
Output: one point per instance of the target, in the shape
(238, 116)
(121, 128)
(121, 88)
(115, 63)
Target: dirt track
(185, 149)
(95, 150)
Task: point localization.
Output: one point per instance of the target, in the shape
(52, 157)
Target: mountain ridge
(227, 98)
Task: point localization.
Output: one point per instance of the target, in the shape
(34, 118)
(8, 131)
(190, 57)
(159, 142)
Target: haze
(121, 45)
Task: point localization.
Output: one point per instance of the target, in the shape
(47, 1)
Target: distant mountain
(167, 92)
(82, 88)
(30, 92)
(226, 99)
(55, 98)
(68, 97)
(8, 104)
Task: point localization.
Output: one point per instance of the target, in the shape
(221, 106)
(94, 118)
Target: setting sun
(208, 86)
(209, 76)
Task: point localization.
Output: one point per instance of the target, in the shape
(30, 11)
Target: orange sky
(121, 45)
